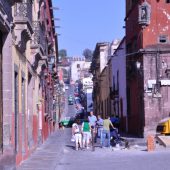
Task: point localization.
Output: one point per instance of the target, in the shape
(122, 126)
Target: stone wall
(155, 108)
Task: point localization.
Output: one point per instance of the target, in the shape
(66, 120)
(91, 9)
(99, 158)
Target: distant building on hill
(79, 68)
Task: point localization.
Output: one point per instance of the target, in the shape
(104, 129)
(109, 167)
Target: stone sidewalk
(58, 153)
(48, 155)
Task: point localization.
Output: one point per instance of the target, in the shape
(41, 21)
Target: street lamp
(56, 19)
(54, 8)
(138, 65)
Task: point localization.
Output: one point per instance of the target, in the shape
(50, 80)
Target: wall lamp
(56, 19)
(138, 65)
(56, 34)
(55, 8)
(56, 27)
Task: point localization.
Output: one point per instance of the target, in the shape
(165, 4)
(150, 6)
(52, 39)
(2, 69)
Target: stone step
(164, 140)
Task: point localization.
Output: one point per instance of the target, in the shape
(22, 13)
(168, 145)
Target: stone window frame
(167, 1)
(163, 39)
(144, 19)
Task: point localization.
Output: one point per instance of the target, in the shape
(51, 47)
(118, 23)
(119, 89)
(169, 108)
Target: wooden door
(16, 110)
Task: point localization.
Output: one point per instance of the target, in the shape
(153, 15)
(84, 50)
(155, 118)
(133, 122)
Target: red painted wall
(159, 25)
(35, 129)
(143, 37)
(160, 22)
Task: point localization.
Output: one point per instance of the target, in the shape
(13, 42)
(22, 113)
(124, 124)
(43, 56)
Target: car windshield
(67, 118)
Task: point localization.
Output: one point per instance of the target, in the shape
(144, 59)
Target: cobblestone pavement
(47, 156)
(58, 153)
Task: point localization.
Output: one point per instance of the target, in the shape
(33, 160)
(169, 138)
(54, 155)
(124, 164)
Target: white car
(66, 87)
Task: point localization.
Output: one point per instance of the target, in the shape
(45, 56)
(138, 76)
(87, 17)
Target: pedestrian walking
(77, 134)
(106, 131)
(86, 130)
(99, 127)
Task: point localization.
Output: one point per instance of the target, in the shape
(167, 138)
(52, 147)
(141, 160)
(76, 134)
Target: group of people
(102, 128)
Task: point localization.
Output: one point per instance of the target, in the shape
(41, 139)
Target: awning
(165, 82)
(150, 83)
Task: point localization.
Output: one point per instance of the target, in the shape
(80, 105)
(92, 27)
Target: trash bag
(73, 138)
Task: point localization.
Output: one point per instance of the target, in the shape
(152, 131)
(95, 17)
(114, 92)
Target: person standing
(92, 120)
(78, 137)
(115, 121)
(106, 131)
(99, 127)
(86, 133)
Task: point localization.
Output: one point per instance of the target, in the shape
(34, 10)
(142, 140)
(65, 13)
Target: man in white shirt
(92, 119)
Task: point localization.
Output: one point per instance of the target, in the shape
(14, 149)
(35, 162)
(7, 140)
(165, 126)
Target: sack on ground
(73, 138)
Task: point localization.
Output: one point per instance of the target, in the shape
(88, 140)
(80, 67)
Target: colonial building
(148, 60)
(117, 65)
(6, 85)
(28, 61)
(105, 67)
(76, 67)
(100, 77)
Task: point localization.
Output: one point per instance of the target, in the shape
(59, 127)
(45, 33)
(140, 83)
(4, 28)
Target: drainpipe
(157, 72)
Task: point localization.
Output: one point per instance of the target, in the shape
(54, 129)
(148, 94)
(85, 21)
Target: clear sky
(85, 22)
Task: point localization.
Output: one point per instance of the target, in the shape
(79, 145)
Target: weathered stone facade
(156, 96)
(8, 158)
(28, 61)
(147, 46)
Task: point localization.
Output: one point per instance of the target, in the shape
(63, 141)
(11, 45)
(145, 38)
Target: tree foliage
(88, 54)
(63, 53)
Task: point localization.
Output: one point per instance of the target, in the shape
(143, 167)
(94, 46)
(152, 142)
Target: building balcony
(22, 24)
(40, 64)
(38, 38)
(5, 15)
(114, 94)
(13, 1)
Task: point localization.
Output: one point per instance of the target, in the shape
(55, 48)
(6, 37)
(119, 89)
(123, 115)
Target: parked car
(76, 92)
(67, 121)
(70, 100)
(80, 113)
(66, 87)
(77, 100)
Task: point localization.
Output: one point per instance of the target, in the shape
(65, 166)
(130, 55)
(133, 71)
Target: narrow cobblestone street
(58, 153)
(48, 156)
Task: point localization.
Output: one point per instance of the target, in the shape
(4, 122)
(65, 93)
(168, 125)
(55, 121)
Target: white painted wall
(75, 72)
(104, 51)
(119, 63)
